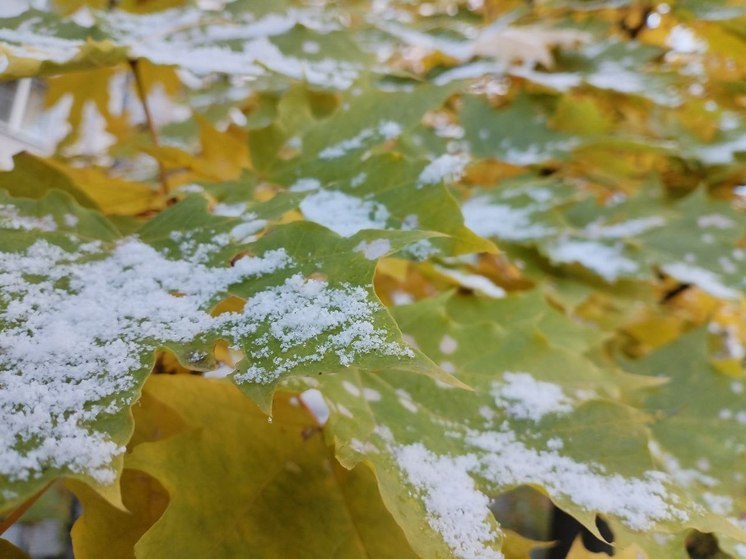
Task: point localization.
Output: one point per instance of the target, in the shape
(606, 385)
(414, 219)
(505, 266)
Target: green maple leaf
(540, 414)
(84, 310)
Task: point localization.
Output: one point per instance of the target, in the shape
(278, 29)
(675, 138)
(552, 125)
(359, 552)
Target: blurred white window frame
(23, 126)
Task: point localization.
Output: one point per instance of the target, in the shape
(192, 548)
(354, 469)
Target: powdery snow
(455, 508)
(342, 213)
(386, 130)
(605, 260)
(308, 320)
(75, 335)
(501, 221)
(704, 279)
(524, 397)
(374, 250)
(444, 168)
(80, 328)
(639, 502)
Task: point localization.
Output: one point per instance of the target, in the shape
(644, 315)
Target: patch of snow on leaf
(605, 260)
(502, 221)
(77, 337)
(524, 397)
(374, 250)
(305, 184)
(342, 213)
(628, 228)
(315, 403)
(717, 221)
(444, 168)
(473, 281)
(11, 219)
(683, 40)
(722, 153)
(385, 130)
(309, 321)
(455, 507)
(639, 502)
(704, 279)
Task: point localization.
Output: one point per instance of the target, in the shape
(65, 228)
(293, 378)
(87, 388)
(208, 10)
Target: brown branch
(14, 516)
(140, 86)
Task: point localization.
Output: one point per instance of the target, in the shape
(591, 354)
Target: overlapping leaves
(607, 146)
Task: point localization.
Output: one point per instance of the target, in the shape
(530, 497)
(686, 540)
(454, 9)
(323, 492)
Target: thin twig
(14, 516)
(140, 86)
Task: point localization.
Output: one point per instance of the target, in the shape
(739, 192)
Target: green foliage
(310, 280)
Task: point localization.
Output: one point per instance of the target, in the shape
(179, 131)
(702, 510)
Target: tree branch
(141, 93)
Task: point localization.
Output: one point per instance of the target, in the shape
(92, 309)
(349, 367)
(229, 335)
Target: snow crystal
(704, 279)
(444, 168)
(501, 221)
(607, 261)
(342, 213)
(374, 250)
(524, 397)
(455, 508)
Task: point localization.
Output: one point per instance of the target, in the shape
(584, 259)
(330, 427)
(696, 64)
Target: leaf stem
(14, 516)
(140, 86)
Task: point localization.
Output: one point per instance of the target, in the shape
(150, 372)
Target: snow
(70, 356)
(444, 168)
(299, 312)
(186, 38)
(704, 279)
(716, 221)
(455, 508)
(473, 281)
(342, 213)
(315, 403)
(524, 397)
(386, 130)
(11, 219)
(80, 329)
(639, 502)
(628, 228)
(374, 250)
(723, 152)
(305, 185)
(502, 221)
(447, 345)
(605, 260)
(683, 40)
